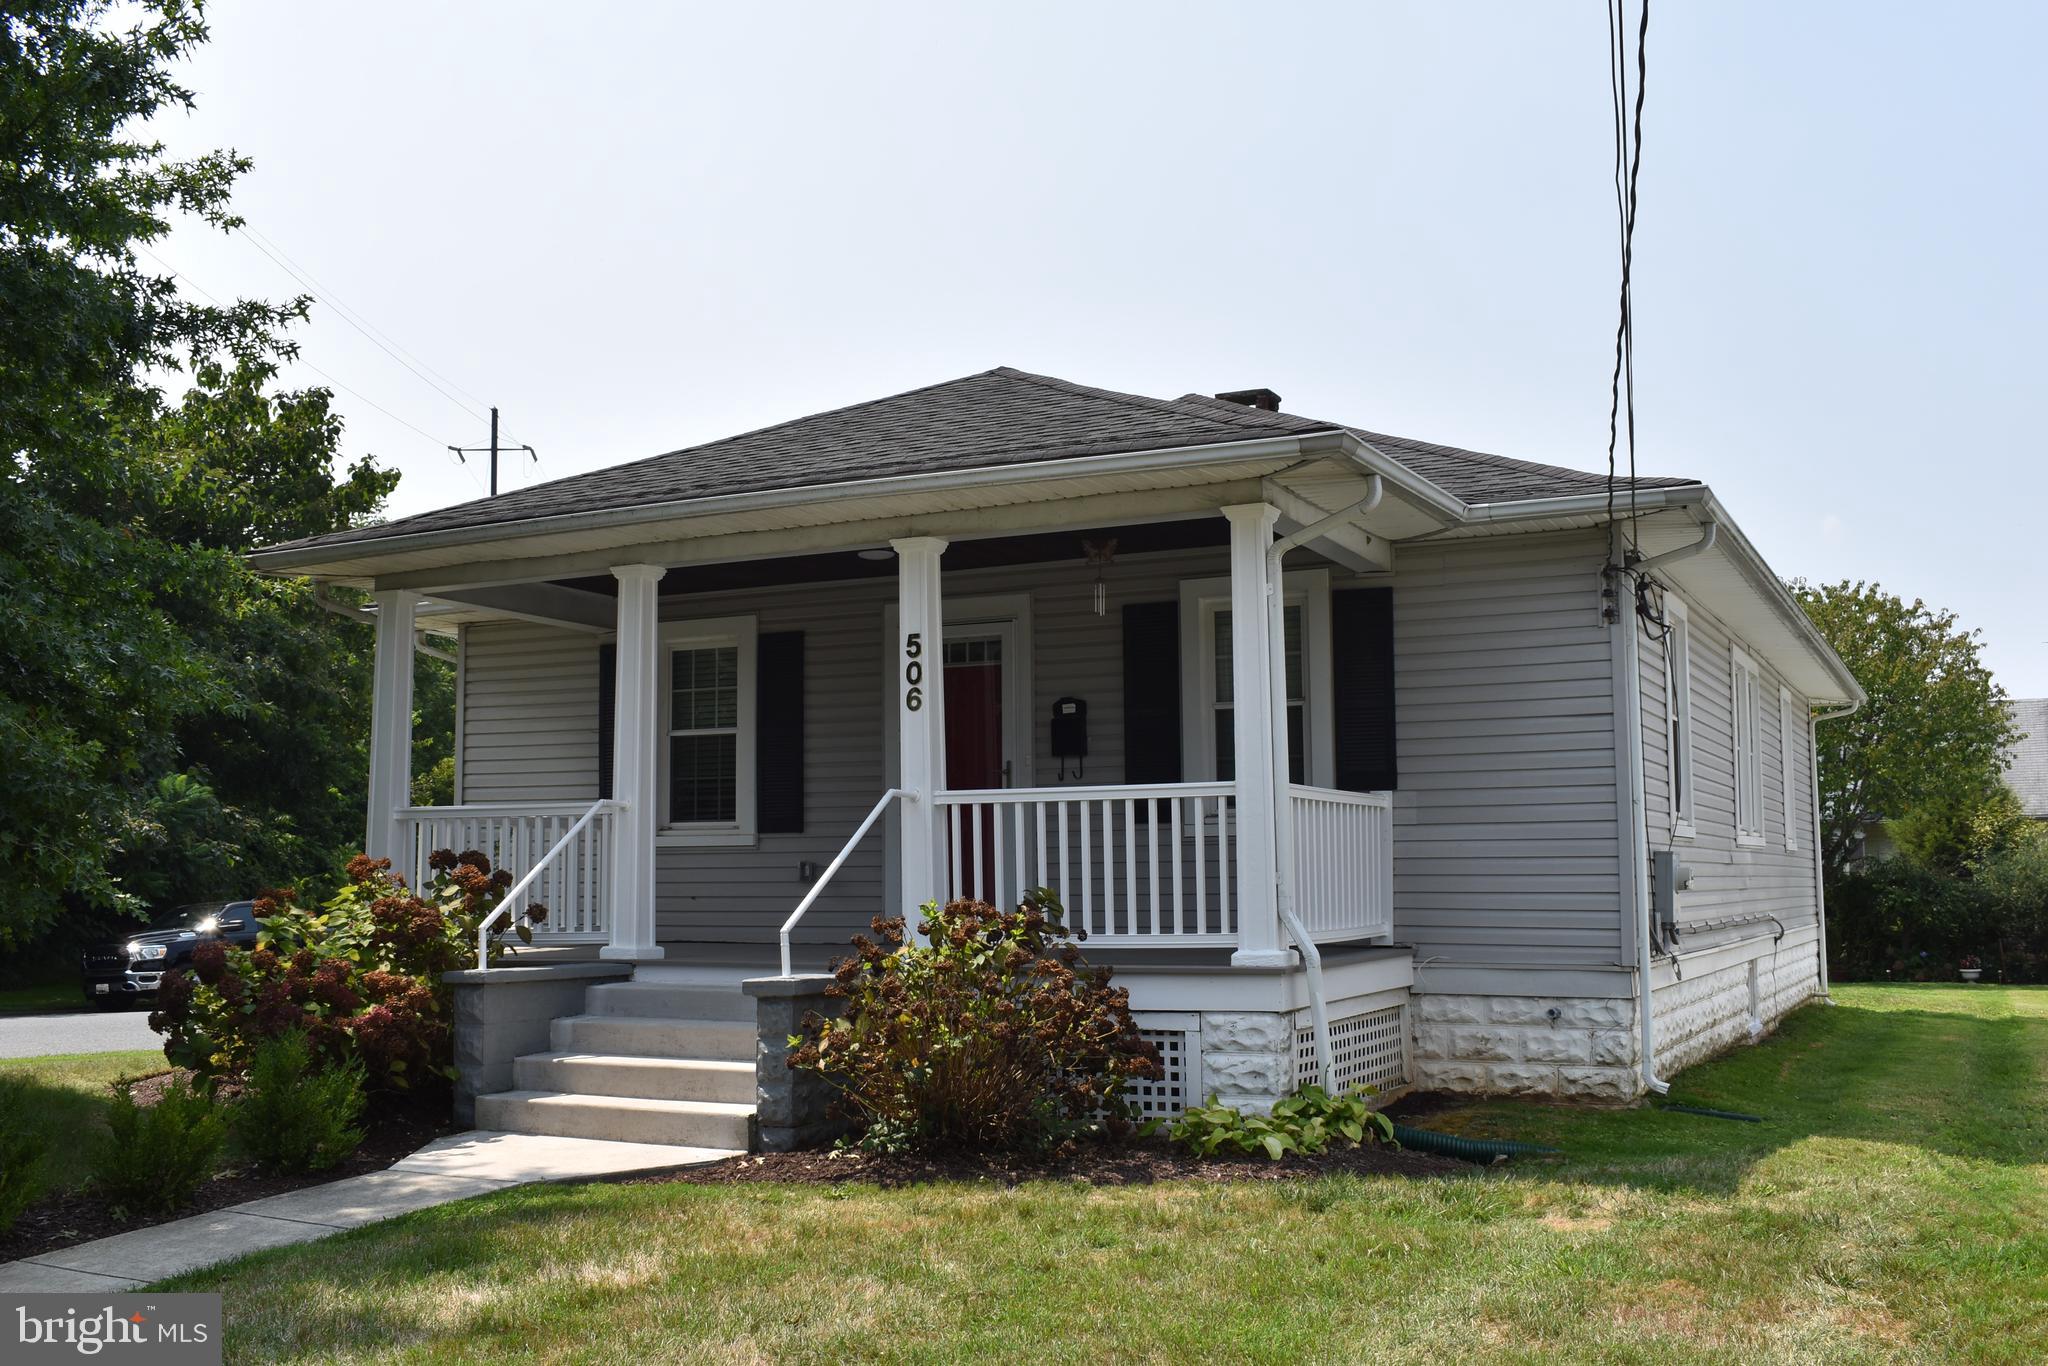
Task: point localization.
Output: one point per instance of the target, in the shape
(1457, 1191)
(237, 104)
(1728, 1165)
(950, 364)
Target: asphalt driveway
(81, 1031)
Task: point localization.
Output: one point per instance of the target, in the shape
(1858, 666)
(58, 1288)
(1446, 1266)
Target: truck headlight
(142, 953)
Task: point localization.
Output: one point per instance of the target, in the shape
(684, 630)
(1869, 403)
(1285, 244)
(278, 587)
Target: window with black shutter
(1362, 661)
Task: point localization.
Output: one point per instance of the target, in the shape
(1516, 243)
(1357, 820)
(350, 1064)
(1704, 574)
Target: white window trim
(1200, 600)
(1678, 707)
(1742, 667)
(700, 634)
(1785, 764)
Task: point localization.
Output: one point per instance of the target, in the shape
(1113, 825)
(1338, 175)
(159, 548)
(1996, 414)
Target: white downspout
(1820, 895)
(1283, 799)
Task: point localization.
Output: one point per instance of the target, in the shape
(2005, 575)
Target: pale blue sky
(644, 226)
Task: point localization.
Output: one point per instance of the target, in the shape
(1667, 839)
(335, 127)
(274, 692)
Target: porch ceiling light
(879, 553)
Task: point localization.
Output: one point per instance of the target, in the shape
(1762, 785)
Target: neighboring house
(1423, 737)
(2027, 760)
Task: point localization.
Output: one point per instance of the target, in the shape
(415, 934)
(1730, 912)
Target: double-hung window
(1786, 756)
(1747, 709)
(1209, 700)
(1678, 715)
(707, 760)
(1223, 711)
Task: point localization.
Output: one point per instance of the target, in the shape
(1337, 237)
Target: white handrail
(518, 889)
(833, 867)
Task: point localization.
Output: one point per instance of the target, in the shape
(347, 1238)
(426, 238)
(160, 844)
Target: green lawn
(67, 1098)
(49, 996)
(1893, 1206)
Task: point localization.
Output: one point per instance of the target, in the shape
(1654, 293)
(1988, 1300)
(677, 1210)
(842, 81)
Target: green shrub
(293, 1118)
(360, 977)
(992, 1035)
(154, 1157)
(1308, 1121)
(22, 1148)
(1900, 920)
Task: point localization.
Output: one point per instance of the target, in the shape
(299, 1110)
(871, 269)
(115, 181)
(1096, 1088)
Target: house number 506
(913, 671)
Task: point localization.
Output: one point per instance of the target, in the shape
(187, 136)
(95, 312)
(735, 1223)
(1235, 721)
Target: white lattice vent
(1365, 1050)
(1169, 1094)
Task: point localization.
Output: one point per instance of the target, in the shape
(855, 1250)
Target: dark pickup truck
(120, 972)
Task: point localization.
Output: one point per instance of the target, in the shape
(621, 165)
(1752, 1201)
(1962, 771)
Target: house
(1353, 754)
(2027, 759)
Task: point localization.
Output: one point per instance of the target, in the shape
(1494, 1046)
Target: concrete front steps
(661, 1058)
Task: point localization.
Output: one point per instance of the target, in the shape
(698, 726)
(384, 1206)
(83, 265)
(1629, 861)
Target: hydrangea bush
(991, 1034)
(360, 976)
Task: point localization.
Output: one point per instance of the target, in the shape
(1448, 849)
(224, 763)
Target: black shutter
(779, 733)
(607, 713)
(1152, 692)
(1362, 660)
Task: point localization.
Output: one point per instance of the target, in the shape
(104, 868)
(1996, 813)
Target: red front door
(974, 748)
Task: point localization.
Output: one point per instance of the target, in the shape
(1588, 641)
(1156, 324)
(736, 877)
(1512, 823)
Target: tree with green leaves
(169, 721)
(1929, 739)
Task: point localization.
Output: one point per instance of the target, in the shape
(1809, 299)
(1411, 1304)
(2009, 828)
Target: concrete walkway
(454, 1168)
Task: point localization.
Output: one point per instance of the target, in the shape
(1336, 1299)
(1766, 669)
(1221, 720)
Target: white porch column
(921, 732)
(391, 726)
(635, 763)
(1251, 652)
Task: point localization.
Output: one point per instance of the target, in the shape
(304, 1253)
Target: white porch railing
(559, 854)
(1135, 865)
(1343, 862)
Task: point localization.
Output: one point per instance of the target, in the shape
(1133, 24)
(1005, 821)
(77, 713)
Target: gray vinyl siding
(1729, 879)
(1505, 824)
(528, 714)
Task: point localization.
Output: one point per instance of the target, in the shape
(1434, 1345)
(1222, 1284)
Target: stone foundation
(1247, 1058)
(1526, 1045)
(1701, 1015)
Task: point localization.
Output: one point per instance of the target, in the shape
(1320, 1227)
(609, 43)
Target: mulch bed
(393, 1129)
(1132, 1164)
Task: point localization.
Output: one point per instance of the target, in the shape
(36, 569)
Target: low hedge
(1897, 920)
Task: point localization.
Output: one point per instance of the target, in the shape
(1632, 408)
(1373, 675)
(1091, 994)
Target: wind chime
(1101, 555)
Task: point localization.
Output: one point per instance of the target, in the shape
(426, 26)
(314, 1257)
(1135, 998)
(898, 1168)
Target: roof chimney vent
(1263, 399)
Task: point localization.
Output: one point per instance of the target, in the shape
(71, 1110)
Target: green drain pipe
(1470, 1149)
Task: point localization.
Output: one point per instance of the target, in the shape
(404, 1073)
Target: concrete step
(714, 1040)
(620, 1119)
(622, 1074)
(669, 1001)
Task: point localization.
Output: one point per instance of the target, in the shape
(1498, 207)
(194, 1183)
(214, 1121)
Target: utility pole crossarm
(462, 453)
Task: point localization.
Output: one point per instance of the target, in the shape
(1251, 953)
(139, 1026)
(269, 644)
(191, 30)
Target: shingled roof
(996, 418)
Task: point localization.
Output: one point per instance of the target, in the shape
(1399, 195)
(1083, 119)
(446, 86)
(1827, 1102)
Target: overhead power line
(207, 294)
(1628, 162)
(377, 337)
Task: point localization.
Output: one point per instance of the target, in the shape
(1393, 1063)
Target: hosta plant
(992, 1033)
(1309, 1121)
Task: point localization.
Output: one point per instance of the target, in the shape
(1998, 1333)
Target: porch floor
(741, 960)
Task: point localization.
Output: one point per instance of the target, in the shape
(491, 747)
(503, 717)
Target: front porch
(1251, 848)
(738, 754)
